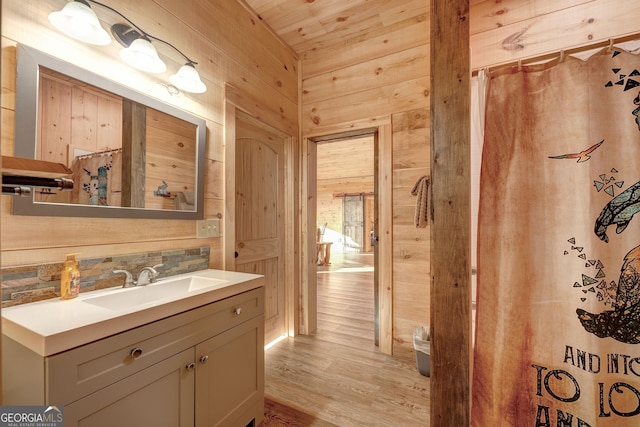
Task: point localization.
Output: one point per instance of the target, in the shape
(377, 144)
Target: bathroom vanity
(187, 350)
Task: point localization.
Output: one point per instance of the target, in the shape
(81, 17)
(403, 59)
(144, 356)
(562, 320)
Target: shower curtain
(98, 178)
(558, 308)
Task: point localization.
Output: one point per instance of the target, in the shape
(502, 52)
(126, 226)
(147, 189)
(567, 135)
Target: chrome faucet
(145, 276)
(128, 283)
(148, 275)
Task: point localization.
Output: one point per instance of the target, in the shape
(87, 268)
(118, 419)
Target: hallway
(337, 376)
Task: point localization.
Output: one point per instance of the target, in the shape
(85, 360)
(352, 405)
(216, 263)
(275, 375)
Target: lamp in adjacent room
(188, 79)
(77, 20)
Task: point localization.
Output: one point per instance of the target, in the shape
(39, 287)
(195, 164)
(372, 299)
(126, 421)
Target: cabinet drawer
(78, 372)
(161, 395)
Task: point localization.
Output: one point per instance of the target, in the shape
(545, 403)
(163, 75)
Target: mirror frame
(29, 61)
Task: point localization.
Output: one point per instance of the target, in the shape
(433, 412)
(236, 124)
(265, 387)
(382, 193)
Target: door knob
(237, 311)
(190, 367)
(136, 352)
(204, 359)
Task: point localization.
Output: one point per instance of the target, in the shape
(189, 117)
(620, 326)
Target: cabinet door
(160, 396)
(74, 374)
(230, 377)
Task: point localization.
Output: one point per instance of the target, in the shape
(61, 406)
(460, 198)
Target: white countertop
(51, 326)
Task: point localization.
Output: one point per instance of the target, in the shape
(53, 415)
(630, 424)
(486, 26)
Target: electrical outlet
(207, 228)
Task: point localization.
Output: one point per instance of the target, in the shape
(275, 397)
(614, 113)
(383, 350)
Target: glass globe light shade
(77, 20)
(142, 55)
(188, 79)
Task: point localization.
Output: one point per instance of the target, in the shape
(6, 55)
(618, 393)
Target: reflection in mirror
(131, 155)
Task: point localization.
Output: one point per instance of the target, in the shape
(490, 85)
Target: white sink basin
(152, 294)
(52, 326)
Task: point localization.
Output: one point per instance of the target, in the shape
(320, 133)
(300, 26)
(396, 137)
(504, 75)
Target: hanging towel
(421, 189)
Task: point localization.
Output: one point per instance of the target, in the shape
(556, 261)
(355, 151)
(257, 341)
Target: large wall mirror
(132, 156)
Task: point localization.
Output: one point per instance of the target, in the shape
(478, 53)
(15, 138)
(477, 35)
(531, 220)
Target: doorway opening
(346, 170)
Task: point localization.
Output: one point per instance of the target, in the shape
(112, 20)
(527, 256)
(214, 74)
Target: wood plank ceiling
(313, 24)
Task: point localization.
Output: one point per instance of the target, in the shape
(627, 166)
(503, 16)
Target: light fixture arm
(174, 48)
(138, 29)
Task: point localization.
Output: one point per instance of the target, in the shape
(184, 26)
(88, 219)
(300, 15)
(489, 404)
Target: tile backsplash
(23, 284)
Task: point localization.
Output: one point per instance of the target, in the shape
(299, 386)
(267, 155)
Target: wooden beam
(450, 208)
(342, 136)
(134, 147)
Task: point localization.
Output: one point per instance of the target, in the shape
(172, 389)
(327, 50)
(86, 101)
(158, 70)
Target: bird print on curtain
(558, 306)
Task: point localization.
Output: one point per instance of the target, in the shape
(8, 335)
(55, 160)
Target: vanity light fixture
(77, 18)
(188, 79)
(142, 55)
(138, 50)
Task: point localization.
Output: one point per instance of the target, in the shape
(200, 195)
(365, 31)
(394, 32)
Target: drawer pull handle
(136, 352)
(237, 311)
(204, 359)
(190, 367)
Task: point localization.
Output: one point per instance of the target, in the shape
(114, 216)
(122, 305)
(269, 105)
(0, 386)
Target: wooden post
(450, 208)
(134, 142)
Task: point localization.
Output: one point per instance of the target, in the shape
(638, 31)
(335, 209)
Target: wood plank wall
(229, 44)
(381, 77)
(506, 31)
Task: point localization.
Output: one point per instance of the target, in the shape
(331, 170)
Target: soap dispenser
(70, 278)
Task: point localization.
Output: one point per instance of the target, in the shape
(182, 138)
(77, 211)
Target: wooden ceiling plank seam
(286, 16)
(268, 27)
(352, 17)
(337, 37)
(403, 10)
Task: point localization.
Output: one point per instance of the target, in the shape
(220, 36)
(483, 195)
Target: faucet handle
(128, 280)
(154, 273)
(148, 275)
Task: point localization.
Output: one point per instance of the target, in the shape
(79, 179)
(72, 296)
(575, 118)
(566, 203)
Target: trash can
(422, 343)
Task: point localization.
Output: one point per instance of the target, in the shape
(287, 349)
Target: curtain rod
(353, 194)
(558, 54)
(99, 153)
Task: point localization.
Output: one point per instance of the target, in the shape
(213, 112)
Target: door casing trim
(237, 99)
(384, 269)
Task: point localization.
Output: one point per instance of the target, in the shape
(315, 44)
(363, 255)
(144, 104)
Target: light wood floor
(337, 376)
